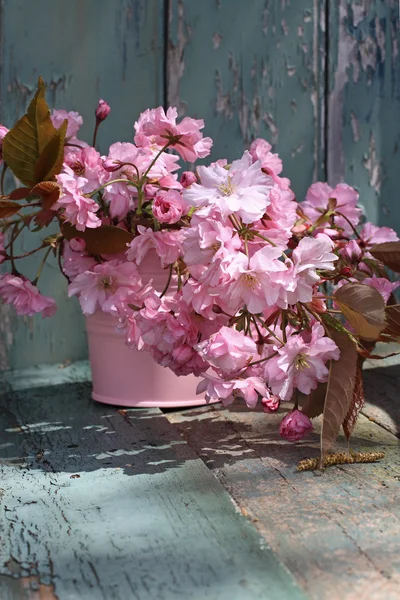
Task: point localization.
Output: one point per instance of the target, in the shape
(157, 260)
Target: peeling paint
(217, 39)
(270, 122)
(355, 127)
(373, 166)
(176, 63)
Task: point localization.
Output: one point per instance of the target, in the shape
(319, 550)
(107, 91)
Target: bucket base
(151, 403)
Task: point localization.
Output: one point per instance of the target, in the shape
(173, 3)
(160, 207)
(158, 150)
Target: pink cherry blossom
(384, 286)
(351, 252)
(25, 297)
(77, 208)
(74, 119)
(371, 234)
(295, 426)
(316, 203)
(85, 164)
(106, 287)
(169, 206)
(209, 239)
(243, 189)
(280, 217)
(3, 133)
(271, 163)
(158, 127)
(167, 244)
(228, 350)
(187, 178)
(301, 362)
(75, 260)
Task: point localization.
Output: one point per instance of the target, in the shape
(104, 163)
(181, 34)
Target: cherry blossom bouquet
(266, 299)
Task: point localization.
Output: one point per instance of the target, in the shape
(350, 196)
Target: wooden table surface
(203, 504)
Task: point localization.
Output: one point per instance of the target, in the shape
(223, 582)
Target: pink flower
(102, 111)
(75, 259)
(159, 127)
(25, 297)
(167, 244)
(271, 163)
(384, 286)
(279, 218)
(169, 206)
(228, 350)
(295, 426)
(250, 389)
(209, 239)
(371, 234)
(3, 133)
(270, 404)
(351, 252)
(314, 254)
(106, 287)
(253, 282)
(243, 189)
(78, 210)
(187, 178)
(301, 362)
(316, 203)
(87, 165)
(2, 249)
(74, 121)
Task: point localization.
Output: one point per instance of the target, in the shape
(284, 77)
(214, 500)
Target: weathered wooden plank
(364, 103)
(100, 503)
(338, 532)
(252, 69)
(84, 51)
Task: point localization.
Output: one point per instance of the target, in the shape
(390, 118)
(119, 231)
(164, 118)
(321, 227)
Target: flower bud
(187, 178)
(270, 404)
(111, 165)
(347, 271)
(3, 133)
(102, 110)
(294, 426)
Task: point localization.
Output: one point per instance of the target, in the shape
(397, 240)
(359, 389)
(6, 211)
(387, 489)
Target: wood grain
(98, 503)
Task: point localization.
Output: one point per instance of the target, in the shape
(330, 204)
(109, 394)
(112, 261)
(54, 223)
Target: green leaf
(389, 254)
(339, 391)
(102, 240)
(32, 147)
(364, 307)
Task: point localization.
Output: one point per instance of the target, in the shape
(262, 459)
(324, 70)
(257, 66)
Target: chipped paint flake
(373, 166)
(217, 39)
(355, 127)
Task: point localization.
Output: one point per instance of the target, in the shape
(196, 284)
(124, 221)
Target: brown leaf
(34, 141)
(20, 193)
(102, 240)
(357, 402)
(313, 405)
(8, 208)
(49, 191)
(364, 307)
(389, 254)
(393, 320)
(339, 391)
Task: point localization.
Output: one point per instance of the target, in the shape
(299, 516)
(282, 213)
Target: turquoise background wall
(320, 79)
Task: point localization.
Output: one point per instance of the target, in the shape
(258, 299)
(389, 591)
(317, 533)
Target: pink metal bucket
(128, 377)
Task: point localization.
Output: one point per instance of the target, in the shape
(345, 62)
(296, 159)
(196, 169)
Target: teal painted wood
(364, 103)
(253, 69)
(97, 503)
(84, 51)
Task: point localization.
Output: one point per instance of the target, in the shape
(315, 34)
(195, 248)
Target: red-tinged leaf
(49, 191)
(339, 391)
(364, 307)
(20, 193)
(8, 208)
(393, 320)
(313, 404)
(389, 254)
(357, 402)
(29, 140)
(102, 240)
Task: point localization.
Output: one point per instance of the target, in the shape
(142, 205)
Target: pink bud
(3, 133)
(187, 178)
(110, 165)
(270, 404)
(77, 244)
(102, 110)
(294, 426)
